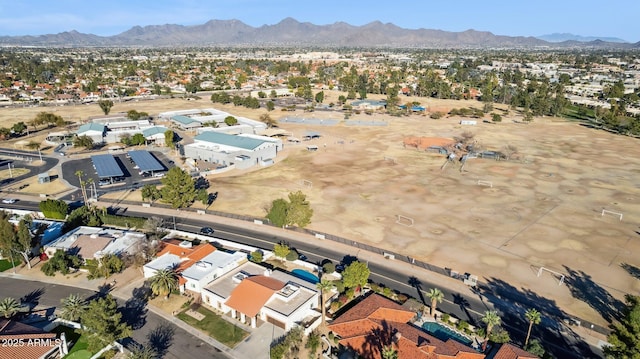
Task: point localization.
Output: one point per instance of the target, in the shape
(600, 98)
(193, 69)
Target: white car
(9, 200)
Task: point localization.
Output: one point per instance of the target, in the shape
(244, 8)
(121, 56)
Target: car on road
(9, 200)
(302, 257)
(206, 231)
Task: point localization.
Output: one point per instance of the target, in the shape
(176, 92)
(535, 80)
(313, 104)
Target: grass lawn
(5, 264)
(78, 343)
(216, 327)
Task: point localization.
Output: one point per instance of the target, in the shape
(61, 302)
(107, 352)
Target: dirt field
(543, 210)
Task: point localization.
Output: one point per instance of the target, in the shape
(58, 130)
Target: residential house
(94, 242)
(23, 341)
(252, 293)
(209, 268)
(178, 255)
(376, 322)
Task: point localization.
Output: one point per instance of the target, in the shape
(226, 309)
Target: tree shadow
(417, 284)
(32, 299)
(463, 303)
(134, 311)
(161, 338)
(102, 292)
(560, 340)
(583, 287)
(377, 339)
(632, 270)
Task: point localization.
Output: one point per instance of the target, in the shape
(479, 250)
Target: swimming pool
(443, 333)
(303, 274)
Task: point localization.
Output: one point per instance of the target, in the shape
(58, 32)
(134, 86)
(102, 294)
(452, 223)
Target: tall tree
(150, 192)
(9, 307)
(102, 323)
(436, 296)
(281, 250)
(169, 138)
(624, 340)
(266, 118)
(164, 282)
(105, 106)
(73, 307)
(355, 275)
(278, 212)
(324, 286)
(24, 239)
(299, 211)
(533, 316)
(491, 319)
(179, 188)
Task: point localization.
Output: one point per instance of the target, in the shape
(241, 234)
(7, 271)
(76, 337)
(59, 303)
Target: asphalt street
(178, 343)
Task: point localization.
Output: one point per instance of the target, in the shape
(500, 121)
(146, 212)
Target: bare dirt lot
(541, 210)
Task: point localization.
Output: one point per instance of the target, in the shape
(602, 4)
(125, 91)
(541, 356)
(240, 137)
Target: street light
(10, 172)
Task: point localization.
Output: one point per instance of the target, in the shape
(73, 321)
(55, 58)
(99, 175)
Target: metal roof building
(245, 143)
(106, 166)
(145, 161)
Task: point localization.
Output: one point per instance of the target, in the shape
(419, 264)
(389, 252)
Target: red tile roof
(23, 341)
(189, 255)
(376, 322)
(508, 351)
(253, 293)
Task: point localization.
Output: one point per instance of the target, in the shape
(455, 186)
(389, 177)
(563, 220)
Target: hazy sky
(614, 18)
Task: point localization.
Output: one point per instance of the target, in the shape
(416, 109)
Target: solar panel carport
(106, 166)
(145, 161)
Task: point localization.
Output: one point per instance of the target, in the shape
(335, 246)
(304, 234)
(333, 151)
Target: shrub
(445, 317)
(374, 287)
(292, 255)
(339, 286)
(387, 292)
(256, 256)
(462, 325)
(402, 297)
(351, 292)
(328, 267)
(335, 306)
(436, 115)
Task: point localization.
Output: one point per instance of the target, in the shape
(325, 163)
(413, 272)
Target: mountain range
(290, 32)
(560, 37)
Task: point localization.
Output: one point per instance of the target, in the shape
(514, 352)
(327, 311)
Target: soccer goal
(306, 183)
(404, 221)
(557, 275)
(485, 183)
(392, 160)
(611, 213)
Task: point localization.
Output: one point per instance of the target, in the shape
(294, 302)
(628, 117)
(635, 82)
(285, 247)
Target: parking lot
(131, 175)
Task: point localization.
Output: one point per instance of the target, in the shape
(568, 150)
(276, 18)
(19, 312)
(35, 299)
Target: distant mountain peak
(291, 32)
(564, 36)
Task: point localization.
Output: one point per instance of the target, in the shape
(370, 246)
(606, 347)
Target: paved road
(180, 344)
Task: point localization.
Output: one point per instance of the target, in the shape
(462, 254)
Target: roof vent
(186, 244)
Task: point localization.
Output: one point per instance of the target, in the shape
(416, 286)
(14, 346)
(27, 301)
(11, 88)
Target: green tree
(355, 275)
(281, 250)
(256, 256)
(73, 307)
(24, 240)
(230, 121)
(324, 286)
(495, 117)
(18, 128)
(106, 266)
(142, 352)
(105, 106)
(150, 192)
(102, 323)
(83, 141)
(313, 343)
(319, 97)
(270, 106)
(169, 138)
(299, 211)
(624, 339)
(163, 282)
(533, 316)
(138, 139)
(535, 348)
(491, 319)
(60, 262)
(436, 296)
(9, 307)
(278, 212)
(179, 188)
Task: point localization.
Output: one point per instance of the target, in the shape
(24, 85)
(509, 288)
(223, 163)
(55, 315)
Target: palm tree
(388, 352)
(436, 297)
(164, 282)
(72, 307)
(533, 316)
(324, 286)
(8, 307)
(491, 319)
